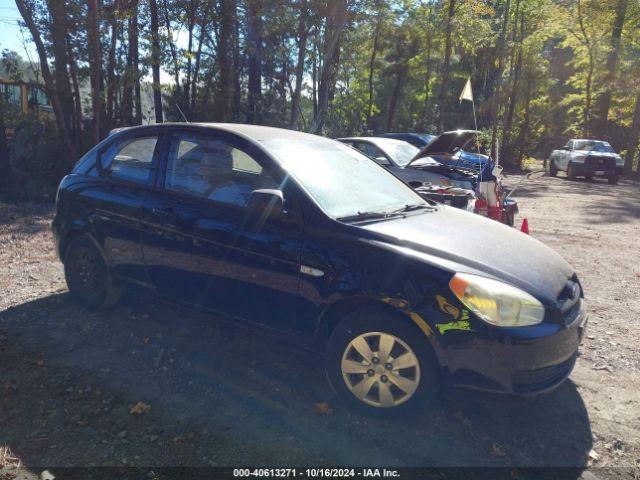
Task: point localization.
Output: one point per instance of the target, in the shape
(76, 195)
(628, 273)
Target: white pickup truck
(587, 158)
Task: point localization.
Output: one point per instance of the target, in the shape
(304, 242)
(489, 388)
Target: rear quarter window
(130, 158)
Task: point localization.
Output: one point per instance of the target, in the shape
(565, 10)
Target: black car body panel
(298, 275)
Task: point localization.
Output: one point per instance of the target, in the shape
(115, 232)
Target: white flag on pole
(467, 93)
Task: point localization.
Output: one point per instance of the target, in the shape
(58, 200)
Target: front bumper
(583, 169)
(521, 361)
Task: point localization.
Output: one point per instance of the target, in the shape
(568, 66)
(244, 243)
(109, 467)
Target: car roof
(254, 132)
(378, 141)
(588, 140)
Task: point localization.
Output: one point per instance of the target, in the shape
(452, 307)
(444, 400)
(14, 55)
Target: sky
(10, 37)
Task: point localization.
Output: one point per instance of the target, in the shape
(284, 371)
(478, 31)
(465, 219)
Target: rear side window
(372, 152)
(130, 158)
(213, 168)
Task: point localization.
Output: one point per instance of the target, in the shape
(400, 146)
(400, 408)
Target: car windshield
(400, 152)
(593, 146)
(340, 179)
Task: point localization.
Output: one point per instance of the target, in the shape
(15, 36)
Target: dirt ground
(217, 395)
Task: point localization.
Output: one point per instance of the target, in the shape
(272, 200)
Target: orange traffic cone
(525, 226)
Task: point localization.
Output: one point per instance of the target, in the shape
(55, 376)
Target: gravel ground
(148, 384)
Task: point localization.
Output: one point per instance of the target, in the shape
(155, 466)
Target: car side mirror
(266, 204)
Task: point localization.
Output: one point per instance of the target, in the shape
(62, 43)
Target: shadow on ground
(223, 395)
(613, 203)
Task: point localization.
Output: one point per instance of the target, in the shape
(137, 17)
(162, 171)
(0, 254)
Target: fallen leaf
(140, 408)
(183, 438)
(323, 408)
(497, 450)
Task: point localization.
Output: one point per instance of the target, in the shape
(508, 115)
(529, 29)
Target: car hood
(432, 172)
(595, 153)
(463, 241)
(447, 143)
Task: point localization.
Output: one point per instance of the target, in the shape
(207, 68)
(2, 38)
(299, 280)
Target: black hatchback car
(309, 238)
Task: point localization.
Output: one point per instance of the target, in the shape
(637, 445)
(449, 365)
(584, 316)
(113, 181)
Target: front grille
(598, 162)
(530, 381)
(466, 164)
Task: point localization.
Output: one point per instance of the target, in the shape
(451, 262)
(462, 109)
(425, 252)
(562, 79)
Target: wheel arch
(335, 312)
(71, 235)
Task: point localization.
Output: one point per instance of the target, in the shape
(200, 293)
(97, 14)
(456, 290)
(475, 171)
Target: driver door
(199, 246)
(566, 155)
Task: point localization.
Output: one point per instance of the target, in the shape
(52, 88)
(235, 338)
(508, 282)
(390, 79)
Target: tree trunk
(126, 110)
(52, 92)
(196, 71)
(314, 76)
(372, 62)
(513, 98)
(632, 149)
(303, 32)
(589, 84)
(59, 27)
(335, 22)
(444, 77)
(111, 64)
(495, 104)
(135, 63)
(172, 47)
(254, 53)
(191, 24)
(225, 97)
(401, 72)
(5, 165)
(427, 84)
(95, 66)
(604, 101)
(155, 61)
(524, 128)
(76, 130)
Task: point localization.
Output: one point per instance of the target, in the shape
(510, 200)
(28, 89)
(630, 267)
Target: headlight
(495, 302)
(619, 161)
(578, 159)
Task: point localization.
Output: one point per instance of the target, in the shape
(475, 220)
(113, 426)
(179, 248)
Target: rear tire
(553, 170)
(613, 179)
(380, 364)
(88, 277)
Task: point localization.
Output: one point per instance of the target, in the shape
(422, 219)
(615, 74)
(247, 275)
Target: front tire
(379, 363)
(613, 179)
(571, 174)
(90, 282)
(553, 169)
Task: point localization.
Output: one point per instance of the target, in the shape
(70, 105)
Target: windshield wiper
(363, 216)
(413, 206)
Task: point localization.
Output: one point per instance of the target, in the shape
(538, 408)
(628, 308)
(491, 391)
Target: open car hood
(447, 143)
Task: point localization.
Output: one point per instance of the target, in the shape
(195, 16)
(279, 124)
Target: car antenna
(182, 113)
